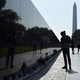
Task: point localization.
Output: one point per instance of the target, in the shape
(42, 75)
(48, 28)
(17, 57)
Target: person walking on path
(11, 46)
(72, 45)
(34, 47)
(41, 46)
(65, 44)
(78, 45)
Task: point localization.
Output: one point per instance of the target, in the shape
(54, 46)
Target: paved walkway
(75, 73)
(29, 57)
(54, 71)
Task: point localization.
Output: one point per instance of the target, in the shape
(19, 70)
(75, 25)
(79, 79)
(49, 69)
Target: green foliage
(76, 36)
(37, 34)
(18, 50)
(2, 3)
(9, 24)
(9, 16)
(3, 52)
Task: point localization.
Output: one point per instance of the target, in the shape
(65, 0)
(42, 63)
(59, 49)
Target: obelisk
(74, 24)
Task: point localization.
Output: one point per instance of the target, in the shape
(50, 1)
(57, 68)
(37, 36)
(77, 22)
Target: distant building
(74, 24)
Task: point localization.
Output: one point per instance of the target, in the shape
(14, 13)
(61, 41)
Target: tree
(9, 23)
(2, 3)
(76, 36)
(9, 16)
(8, 20)
(37, 34)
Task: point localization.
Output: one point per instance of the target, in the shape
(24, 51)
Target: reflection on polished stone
(24, 36)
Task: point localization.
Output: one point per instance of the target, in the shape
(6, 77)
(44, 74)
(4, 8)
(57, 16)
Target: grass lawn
(18, 50)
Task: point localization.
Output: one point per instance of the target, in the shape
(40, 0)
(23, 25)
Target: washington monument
(74, 24)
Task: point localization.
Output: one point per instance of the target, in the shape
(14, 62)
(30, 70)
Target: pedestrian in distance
(41, 46)
(34, 47)
(72, 45)
(65, 44)
(78, 45)
(11, 46)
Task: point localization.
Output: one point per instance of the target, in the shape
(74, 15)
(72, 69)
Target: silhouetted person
(65, 42)
(34, 46)
(72, 45)
(11, 45)
(78, 45)
(24, 68)
(41, 45)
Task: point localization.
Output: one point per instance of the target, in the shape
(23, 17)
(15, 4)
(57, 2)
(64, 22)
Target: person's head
(63, 33)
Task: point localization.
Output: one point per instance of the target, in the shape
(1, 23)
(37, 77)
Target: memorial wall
(23, 31)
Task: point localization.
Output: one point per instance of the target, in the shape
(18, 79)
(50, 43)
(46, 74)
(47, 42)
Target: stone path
(29, 57)
(52, 71)
(75, 73)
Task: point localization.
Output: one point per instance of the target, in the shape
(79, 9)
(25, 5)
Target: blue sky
(58, 14)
